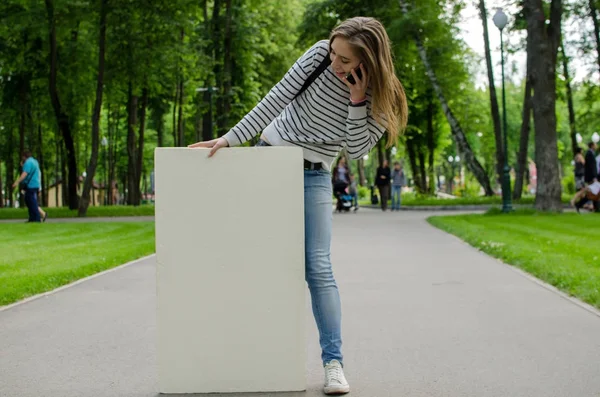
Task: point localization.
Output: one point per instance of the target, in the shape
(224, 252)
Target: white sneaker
(335, 381)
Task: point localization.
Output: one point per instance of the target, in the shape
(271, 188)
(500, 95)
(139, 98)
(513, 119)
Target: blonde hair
(370, 41)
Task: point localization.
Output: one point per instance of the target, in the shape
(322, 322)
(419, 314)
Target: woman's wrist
(355, 101)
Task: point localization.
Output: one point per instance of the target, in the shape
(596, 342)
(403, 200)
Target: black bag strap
(316, 73)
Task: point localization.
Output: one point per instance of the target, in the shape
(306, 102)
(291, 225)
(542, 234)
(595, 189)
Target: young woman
(350, 104)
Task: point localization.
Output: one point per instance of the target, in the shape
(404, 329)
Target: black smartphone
(350, 78)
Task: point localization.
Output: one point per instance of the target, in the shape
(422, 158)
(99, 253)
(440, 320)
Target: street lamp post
(454, 162)
(500, 20)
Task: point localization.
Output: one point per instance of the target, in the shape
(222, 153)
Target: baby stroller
(344, 199)
(345, 202)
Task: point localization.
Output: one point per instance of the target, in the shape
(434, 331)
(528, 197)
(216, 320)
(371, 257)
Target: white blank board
(230, 270)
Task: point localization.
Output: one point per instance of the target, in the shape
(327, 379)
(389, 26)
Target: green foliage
(469, 189)
(152, 45)
(568, 183)
(364, 192)
(156, 45)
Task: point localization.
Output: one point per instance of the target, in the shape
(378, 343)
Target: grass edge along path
(555, 248)
(93, 212)
(39, 258)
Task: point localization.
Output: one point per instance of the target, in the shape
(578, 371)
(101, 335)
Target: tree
(492, 90)
(572, 126)
(545, 39)
(525, 129)
(62, 117)
(594, 16)
(91, 169)
(461, 140)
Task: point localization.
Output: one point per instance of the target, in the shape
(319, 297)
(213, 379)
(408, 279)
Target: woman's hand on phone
(214, 145)
(358, 91)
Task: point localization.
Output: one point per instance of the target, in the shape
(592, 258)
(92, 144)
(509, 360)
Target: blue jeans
(324, 292)
(396, 190)
(32, 205)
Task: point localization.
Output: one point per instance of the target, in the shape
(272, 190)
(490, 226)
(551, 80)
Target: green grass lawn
(561, 249)
(65, 212)
(412, 200)
(40, 257)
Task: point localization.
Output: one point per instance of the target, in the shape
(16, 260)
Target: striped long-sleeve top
(321, 120)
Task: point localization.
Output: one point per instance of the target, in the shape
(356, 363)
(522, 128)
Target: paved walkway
(424, 315)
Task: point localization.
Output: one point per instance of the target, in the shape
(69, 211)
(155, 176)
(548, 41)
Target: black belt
(312, 166)
(307, 164)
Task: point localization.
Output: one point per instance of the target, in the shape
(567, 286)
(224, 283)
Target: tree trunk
(430, 143)
(594, 16)
(91, 170)
(140, 154)
(57, 172)
(132, 108)
(10, 168)
(44, 178)
(217, 38)
(565, 64)
(493, 97)
(422, 170)
(112, 155)
(198, 117)
(180, 131)
(545, 39)
(1, 190)
(412, 158)
(109, 130)
(63, 177)
(362, 181)
(380, 152)
(226, 97)
(461, 140)
(159, 115)
(175, 102)
(61, 117)
(207, 121)
(207, 133)
(22, 112)
(524, 140)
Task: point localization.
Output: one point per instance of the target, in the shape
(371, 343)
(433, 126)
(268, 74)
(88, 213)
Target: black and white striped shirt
(321, 120)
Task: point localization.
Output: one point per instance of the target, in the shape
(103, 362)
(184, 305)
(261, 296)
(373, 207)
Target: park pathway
(424, 315)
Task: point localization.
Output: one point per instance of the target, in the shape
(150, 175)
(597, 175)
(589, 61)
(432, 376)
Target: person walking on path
(353, 191)
(590, 175)
(398, 180)
(30, 176)
(341, 93)
(579, 169)
(23, 189)
(382, 180)
(340, 181)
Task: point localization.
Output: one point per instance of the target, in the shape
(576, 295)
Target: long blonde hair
(370, 41)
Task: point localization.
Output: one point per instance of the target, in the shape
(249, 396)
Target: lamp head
(500, 19)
